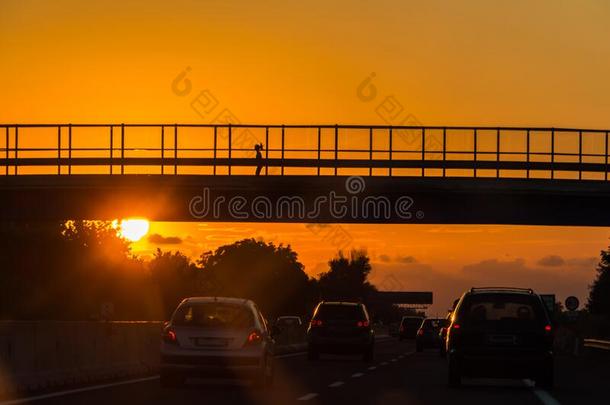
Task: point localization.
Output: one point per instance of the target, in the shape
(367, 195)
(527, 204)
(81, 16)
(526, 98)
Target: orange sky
(465, 63)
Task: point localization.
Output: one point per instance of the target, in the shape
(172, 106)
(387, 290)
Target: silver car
(217, 337)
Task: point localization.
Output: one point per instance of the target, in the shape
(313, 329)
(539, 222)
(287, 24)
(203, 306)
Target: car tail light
(548, 328)
(169, 336)
(254, 338)
(315, 323)
(455, 326)
(363, 324)
(401, 329)
(420, 332)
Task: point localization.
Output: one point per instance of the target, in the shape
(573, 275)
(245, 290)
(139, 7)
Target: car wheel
(455, 376)
(368, 354)
(171, 380)
(546, 379)
(312, 353)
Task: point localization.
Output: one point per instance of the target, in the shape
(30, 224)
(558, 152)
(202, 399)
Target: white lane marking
(307, 397)
(542, 395)
(393, 360)
(336, 384)
(372, 368)
(385, 363)
(77, 390)
(285, 356)
(356, 375)
(401, 356)
(545, 397)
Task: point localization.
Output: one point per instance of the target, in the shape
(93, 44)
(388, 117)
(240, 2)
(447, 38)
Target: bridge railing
(174, 149)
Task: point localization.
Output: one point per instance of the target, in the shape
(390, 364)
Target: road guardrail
(597, 344)
(225, 149)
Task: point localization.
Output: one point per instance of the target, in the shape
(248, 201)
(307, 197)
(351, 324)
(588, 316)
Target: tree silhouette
(347, 277)
(270, 275)
(599, 292)
(66, 270)
(176, 278)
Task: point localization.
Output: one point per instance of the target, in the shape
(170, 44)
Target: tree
(176, 278)
(599, 291)
(270, 275)
(347, 277)
(66, 270)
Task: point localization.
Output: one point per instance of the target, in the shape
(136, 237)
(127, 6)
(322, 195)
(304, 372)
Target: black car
(500, 332)
(442, 335)
(428, 334)
(409, 326)
(340, 328)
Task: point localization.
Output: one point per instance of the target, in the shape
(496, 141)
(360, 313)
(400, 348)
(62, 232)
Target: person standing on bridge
(259, 157)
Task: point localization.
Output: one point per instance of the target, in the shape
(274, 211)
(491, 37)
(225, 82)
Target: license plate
(502, 339)
(211, 342)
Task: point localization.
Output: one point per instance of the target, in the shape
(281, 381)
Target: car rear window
(480, 308)
(340, 312)
(214, 315)
(433, 323)
(288, 322)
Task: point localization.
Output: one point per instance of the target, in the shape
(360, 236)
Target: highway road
(398, 375)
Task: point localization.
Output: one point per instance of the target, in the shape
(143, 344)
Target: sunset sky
(520, 63)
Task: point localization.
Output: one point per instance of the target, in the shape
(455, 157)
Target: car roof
(224, 300)
(413, 317)
(340, 303)
(503, 290)
(288, 317)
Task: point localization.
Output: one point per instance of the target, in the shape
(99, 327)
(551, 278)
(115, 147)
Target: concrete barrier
(42, 355)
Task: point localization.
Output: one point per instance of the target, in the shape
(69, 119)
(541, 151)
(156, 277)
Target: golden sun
(132, 229)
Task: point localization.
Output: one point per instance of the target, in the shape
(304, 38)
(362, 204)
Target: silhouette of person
(259, 157)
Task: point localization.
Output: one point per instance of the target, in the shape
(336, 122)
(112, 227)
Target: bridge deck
(206, 173)
(392, 199)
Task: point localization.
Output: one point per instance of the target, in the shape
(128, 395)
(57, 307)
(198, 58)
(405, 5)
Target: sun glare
(132, 229)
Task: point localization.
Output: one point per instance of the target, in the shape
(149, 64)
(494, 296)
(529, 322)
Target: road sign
(572, 303)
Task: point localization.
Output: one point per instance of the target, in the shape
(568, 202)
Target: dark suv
(428, 333)
(340, 328)
(500, 332)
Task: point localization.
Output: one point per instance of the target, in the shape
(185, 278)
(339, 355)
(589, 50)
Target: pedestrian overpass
(310, 173)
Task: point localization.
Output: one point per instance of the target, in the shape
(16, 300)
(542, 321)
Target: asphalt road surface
(398, 375)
